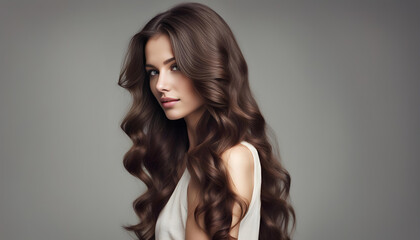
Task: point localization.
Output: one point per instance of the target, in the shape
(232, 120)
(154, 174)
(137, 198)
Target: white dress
(172, 219)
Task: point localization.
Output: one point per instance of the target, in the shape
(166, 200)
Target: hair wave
(206, 52)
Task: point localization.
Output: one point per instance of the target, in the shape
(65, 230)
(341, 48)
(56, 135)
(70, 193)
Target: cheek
(187, 86)
(194, 95)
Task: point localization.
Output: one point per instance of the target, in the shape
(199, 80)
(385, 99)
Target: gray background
(338, 81)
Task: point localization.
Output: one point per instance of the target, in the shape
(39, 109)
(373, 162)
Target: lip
(168, 102)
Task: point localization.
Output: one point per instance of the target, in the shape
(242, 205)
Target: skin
(167, 80)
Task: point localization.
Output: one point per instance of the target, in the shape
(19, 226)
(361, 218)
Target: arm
(239, 163)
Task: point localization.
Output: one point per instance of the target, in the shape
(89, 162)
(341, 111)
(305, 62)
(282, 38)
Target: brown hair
(206, 52)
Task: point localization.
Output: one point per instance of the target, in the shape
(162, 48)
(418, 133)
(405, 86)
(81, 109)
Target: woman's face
(171, 88)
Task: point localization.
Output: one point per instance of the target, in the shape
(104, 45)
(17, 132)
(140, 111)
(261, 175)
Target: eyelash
(149, 73)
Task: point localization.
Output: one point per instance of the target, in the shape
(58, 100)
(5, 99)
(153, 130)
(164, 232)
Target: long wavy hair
(206, 51)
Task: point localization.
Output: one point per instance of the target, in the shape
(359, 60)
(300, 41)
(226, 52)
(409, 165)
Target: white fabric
(173, 217)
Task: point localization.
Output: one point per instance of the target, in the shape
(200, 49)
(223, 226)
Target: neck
(191, 138)
(192, 134)
(191, 122)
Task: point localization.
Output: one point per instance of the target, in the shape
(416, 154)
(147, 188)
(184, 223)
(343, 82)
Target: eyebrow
(164, 62)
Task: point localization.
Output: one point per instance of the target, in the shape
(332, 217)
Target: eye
(152, 73)
(174, 67)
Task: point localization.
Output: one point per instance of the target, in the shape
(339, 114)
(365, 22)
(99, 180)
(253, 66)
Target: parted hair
(206, 51)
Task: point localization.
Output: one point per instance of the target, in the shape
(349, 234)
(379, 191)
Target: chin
(173, 117)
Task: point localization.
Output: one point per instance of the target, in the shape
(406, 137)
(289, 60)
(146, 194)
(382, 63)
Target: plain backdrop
(338, 81)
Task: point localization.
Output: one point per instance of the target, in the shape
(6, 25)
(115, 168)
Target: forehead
(158, 48)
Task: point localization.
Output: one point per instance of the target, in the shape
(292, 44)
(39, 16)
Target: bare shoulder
(239, 163)
(238, 158)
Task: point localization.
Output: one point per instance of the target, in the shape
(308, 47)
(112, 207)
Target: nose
(163, 82)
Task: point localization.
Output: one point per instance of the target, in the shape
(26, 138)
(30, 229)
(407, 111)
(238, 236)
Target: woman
(199, 139)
